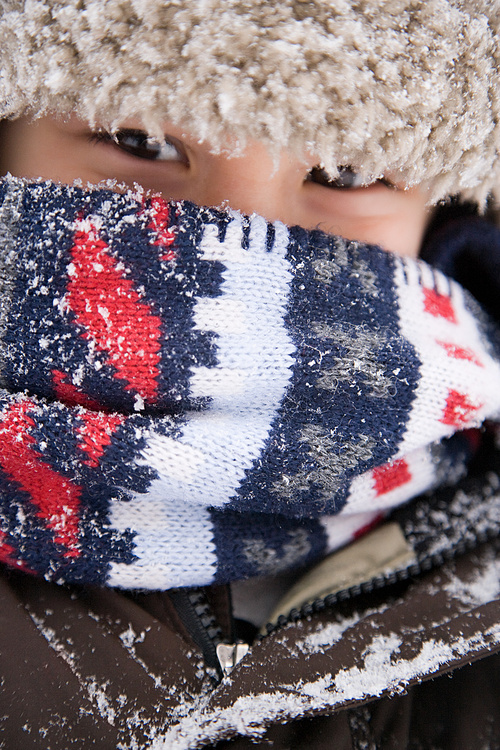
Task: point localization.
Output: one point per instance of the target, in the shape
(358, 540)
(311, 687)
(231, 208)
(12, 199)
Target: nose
(254, 182)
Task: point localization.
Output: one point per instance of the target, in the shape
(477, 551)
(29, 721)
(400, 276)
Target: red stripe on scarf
(460, 352)
(70, 394)
(56, 497)
(95, 433)
(459, 410)
(107, 306)
(165, 236)
(439, 305)
(390, 476)
(7, 553)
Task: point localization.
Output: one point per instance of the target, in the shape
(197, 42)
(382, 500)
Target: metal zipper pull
(230, 654)
(194, 610)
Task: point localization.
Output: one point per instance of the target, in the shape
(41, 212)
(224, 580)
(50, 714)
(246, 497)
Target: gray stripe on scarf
(10, 215)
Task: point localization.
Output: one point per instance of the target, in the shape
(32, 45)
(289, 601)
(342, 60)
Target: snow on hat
(407, 87)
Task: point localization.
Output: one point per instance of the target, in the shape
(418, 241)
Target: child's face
(294, 191)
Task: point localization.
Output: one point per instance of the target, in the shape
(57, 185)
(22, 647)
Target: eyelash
(150, 149)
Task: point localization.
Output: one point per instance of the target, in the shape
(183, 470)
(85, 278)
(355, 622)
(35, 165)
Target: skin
(65, 150)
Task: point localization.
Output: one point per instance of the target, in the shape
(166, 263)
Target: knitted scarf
(190, 396)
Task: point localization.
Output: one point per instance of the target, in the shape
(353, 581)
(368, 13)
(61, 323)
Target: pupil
(138, 143)
(347, 178)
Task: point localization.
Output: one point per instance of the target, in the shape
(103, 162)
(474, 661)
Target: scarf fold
(190, 396)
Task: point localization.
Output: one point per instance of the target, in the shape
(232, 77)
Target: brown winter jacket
(365, 667)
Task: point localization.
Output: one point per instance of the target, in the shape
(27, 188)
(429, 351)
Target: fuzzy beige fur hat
(408, 87)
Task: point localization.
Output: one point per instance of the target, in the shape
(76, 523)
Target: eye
(143, 146)
(347, 179)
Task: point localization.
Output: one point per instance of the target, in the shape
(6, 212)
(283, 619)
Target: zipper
(198, 619)
(392, 578)
(193, 608)
(437, 527)
(221, 657)
(482, 525)
(340, 597)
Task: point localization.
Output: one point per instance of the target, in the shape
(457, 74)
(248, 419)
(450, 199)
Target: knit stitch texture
(190, 396)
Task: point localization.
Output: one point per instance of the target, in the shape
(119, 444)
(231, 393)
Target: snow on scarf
(190, 396)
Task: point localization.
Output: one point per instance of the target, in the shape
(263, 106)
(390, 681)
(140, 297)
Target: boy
(294, 190)
(192, 397)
